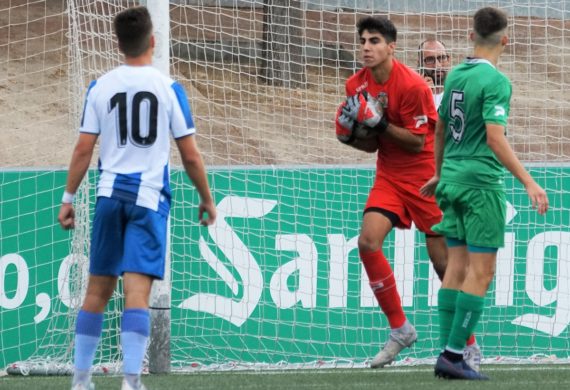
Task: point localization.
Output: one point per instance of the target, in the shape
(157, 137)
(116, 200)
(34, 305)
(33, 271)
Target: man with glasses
(434, 64)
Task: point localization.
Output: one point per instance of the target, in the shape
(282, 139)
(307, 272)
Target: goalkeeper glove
(344, 125)
(364, 109)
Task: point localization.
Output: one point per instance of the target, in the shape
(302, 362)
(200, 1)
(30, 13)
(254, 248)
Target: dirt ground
(240, 119)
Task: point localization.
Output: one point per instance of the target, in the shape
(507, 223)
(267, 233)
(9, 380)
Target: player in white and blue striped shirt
(132, 110)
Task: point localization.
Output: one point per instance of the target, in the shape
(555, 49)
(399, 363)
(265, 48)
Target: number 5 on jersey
(457, 115)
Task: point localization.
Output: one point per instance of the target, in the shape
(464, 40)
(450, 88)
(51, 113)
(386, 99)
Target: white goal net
(277, 282)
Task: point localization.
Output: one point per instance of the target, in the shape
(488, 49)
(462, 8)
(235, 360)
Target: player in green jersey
(471, 152)
(434, 64)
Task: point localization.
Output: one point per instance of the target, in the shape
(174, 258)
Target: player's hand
(344, 125)
(207, 208)
(429, 81)
(428, 189)
(66, 216)
(358, 108)
(364, 109)
(538, 197)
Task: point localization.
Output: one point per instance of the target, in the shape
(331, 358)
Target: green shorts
(476, 216)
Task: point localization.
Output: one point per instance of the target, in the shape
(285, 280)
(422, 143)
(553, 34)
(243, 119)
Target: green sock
(467, 313)
(446, 301)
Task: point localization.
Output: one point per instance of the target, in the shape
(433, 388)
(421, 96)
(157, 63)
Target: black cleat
(446, 369)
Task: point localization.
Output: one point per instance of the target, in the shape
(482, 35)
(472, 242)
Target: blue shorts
(127, 238)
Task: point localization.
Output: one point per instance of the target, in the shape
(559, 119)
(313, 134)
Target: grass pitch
(520, 377)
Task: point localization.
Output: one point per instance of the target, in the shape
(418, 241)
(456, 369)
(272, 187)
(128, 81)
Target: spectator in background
(433, 65)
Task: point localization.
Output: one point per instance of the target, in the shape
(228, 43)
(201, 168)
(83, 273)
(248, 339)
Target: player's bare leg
(375, 227)
(437, 251)
(137, 290)
(99, 290)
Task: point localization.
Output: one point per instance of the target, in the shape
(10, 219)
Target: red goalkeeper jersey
(407, 102)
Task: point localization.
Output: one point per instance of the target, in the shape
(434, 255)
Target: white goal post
(277, 282)
(159, 344)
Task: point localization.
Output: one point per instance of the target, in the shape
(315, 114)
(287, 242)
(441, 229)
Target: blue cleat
(446, 369)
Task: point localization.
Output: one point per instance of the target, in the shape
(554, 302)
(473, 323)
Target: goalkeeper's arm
(413, 143)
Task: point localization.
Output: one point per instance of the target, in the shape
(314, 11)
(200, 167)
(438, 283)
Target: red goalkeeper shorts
(404, 200)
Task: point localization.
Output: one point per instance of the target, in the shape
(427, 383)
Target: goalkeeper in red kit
(395, 102)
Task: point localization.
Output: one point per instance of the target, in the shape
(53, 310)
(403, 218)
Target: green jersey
(476, 93)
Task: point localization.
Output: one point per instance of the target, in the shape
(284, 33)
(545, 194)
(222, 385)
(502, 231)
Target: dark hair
(488, 21)
(133, 28)
(378, 24)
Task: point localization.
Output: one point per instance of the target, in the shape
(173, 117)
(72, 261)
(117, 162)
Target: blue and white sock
(135, 330)
(87, 335)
